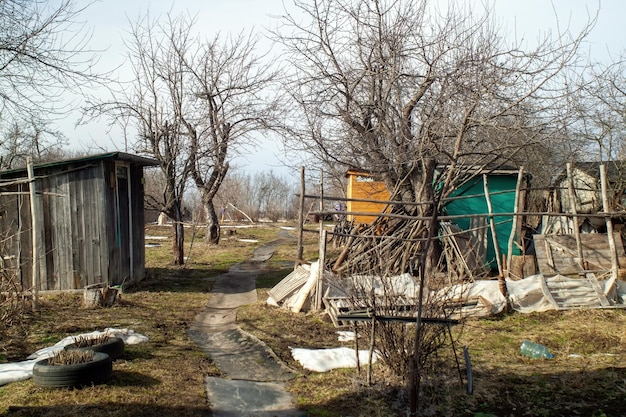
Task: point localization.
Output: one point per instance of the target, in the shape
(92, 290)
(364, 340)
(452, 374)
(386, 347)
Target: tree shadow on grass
(176, 280)
(131, 379)
(109, 409)
(589, 393)
(584, 392)
(132, 353)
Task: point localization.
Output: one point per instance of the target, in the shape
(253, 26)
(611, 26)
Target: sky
(522, 20)
(110, 21)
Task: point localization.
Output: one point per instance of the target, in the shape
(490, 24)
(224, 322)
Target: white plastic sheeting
(19, 371)
(529, 294)
(323, 360)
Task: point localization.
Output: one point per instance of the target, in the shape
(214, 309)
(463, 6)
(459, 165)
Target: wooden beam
(36, 226)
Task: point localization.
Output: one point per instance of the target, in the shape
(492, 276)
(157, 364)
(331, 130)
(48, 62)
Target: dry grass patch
(164, 376)
(587, 377)
(161, 377)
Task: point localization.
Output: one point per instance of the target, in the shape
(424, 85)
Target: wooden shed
(586, 197)
(88, 223)
(364, 186)
(586, 179)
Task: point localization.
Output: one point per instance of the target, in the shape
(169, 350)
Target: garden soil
(253, 381)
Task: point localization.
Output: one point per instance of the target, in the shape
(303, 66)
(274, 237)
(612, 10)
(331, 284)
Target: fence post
(35, 230)
(300, 250)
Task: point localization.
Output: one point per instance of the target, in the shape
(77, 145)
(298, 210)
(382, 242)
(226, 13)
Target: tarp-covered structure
(469, 199)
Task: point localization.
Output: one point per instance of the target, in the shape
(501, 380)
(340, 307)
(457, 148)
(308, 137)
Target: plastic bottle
(535, 350)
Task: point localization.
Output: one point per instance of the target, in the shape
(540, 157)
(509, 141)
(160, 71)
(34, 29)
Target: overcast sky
(525, 19)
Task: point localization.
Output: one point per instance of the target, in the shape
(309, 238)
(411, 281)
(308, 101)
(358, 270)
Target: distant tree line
(262, 196)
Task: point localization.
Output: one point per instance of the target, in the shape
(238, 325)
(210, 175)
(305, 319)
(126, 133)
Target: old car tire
(97, 371)
(114, 347)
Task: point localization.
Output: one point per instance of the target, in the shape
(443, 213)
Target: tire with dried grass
(112, 346)
(73, 368)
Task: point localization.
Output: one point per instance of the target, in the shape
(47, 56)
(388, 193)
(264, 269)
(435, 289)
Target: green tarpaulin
(502, 194)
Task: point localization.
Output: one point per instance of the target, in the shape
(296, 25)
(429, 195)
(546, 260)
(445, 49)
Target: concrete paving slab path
(253, 385)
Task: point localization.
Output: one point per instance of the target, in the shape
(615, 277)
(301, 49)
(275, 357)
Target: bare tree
(231, 85)
(44, 55)
(155, 100)
(194, 102)
(233, 192)
(264, 194)
(271, 195)
(406, 91)
(598, 110)
(35, 140)
(392, 87)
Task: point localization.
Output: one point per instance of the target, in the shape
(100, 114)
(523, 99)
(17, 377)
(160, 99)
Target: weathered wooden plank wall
(87, 224)
(57, 227)
(74, 224)
(93, 226)
(96, 261)
(556, 254)
(10, 236)
(112, 219)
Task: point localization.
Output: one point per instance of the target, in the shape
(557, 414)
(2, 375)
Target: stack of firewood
(388, 246)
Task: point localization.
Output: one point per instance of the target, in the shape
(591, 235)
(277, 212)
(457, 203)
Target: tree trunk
(213, 225)
(423, 185)
(178, 241)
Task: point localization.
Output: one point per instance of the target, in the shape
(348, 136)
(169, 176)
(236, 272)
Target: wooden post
(371, 352)
(516, 209)
(574, 211)
(300, 251)
(415, 387)
(609, 224)
(320, 271)
(35, 212)
(412, 387)
(492, 226)
(322, 248)
(356, 347)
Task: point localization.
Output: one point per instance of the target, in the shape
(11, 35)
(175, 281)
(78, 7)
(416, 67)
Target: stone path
(254, 379)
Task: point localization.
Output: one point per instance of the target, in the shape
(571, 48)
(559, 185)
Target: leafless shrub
(84, 341)
(396, 271)
(12, 303)
(71, 357)
(381, 275)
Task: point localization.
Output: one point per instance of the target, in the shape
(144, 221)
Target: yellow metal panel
(363, 186)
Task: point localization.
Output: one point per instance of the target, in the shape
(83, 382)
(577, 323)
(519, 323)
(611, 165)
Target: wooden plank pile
(464, 254)
(298, 290)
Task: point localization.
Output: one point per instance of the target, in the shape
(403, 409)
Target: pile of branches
(380, 271)
(387, 246)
